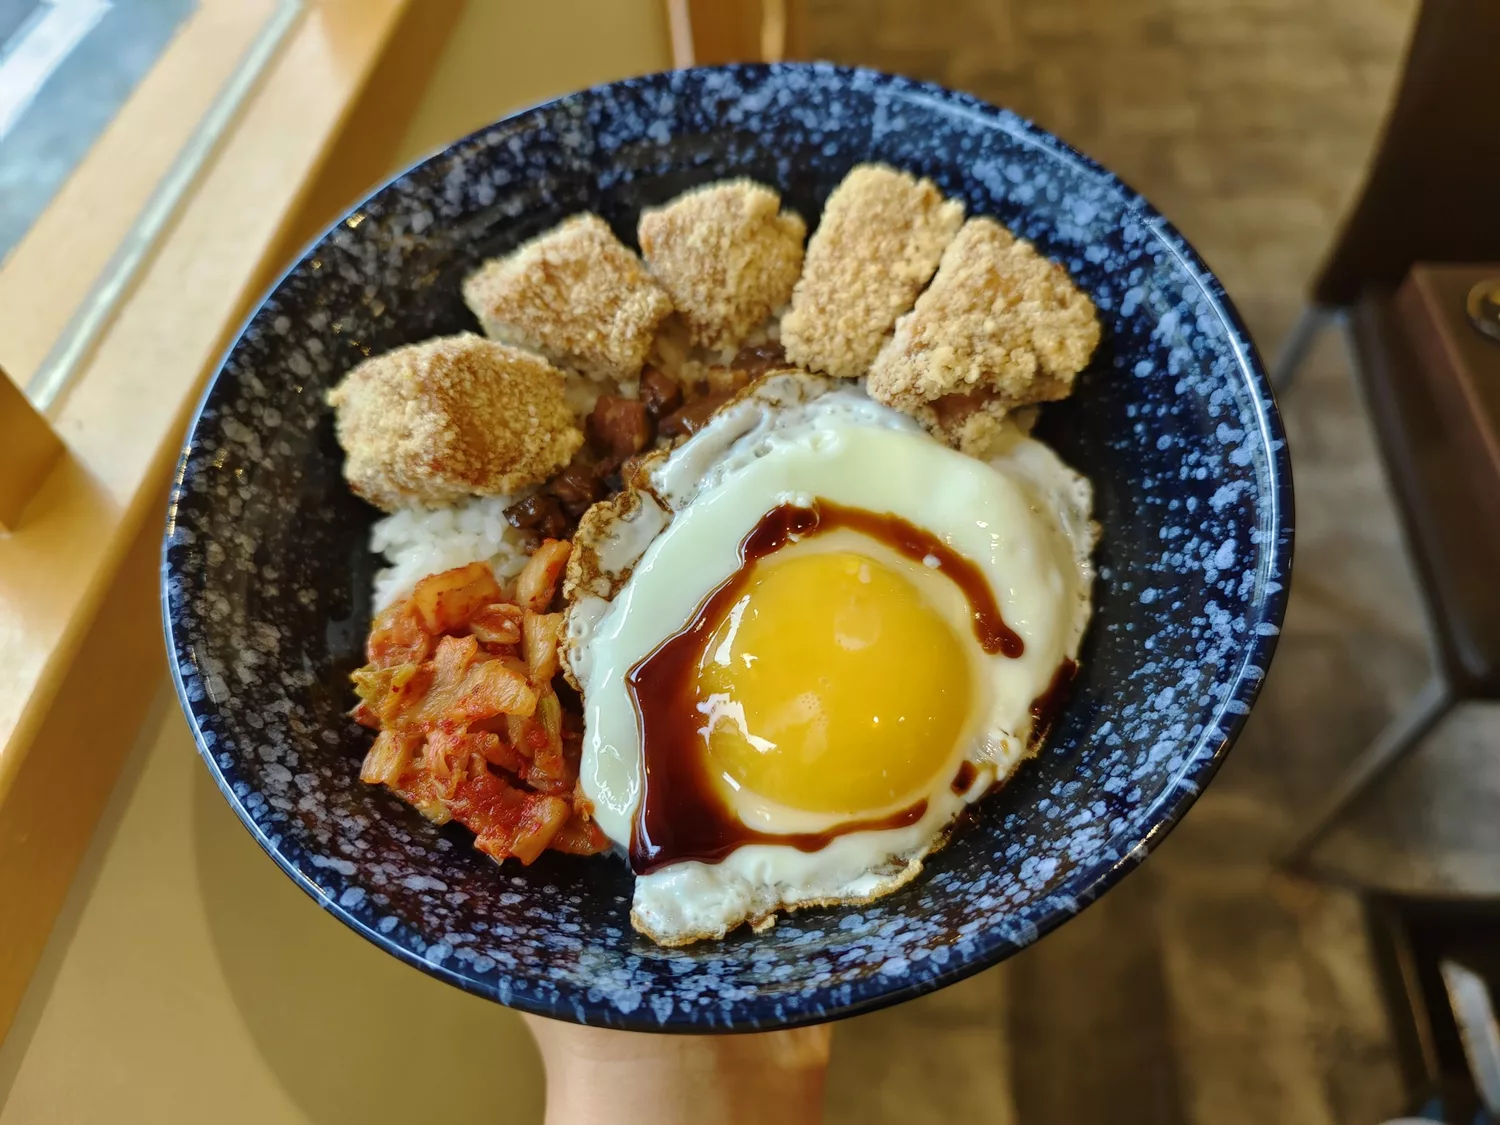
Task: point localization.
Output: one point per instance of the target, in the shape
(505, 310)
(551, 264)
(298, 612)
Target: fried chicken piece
(455, 416)
(1000, 326)
(577, 295)
(879, 240)
(728, 256)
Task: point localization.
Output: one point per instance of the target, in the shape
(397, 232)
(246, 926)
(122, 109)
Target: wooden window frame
(79, 566)
(709, 32)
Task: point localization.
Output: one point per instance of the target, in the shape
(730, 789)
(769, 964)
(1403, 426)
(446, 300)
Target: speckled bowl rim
(1164, 814)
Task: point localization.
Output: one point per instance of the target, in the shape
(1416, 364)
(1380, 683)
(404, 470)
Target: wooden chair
(1430, 194)
(707, 32)
(1431, 200)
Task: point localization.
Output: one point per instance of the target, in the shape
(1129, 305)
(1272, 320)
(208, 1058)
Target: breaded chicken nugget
(879, 240)
(727, 255)
(434, 422)
(999, 327)
(576, 294)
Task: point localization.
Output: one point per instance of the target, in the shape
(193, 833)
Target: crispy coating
(979, 432)
(879, 240)
(727, 255)
(451, 417)
(577, 295)
(999, 327)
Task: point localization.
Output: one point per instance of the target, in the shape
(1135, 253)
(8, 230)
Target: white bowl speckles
(267, 577)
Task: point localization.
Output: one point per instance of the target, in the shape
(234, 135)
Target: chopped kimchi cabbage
(461, 686)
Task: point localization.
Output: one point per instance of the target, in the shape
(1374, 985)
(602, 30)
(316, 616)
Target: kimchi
(461, 688)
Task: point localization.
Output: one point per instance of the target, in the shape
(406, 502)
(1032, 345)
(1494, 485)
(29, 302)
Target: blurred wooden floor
(1205, 989)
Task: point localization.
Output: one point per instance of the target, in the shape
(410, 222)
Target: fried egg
(806, 639)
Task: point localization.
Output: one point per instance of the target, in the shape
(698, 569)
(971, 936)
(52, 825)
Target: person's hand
(626, 1077)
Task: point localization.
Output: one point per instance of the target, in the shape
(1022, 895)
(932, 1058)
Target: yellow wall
(505, 54)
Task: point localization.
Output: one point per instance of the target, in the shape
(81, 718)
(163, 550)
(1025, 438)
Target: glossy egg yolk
(833, 686)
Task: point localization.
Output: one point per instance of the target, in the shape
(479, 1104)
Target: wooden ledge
(28, 451)
(303, 145)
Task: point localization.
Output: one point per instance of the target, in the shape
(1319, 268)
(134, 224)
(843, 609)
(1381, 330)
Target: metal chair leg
(1478, 1029)
(1400, 735)
(1298, 343)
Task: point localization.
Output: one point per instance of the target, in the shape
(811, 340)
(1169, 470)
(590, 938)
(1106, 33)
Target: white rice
(422, 541)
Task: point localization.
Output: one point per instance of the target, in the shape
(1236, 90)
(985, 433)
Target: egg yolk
(833, 686)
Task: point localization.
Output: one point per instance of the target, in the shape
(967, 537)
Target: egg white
(1022, 518)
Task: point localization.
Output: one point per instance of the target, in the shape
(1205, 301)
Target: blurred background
(1294, 953)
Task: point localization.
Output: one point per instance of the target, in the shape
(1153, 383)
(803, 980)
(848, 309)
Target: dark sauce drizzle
(967, 772)
(1045, 707)
(1044, 710)
(681, 814)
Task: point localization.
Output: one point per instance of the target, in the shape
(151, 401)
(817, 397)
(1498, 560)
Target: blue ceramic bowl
(267, 577)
